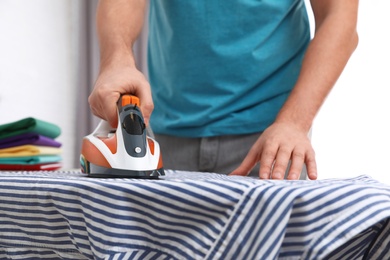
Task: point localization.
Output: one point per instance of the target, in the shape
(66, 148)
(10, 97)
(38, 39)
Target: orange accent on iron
(88, 150)
(151, 146)
(160, 162)
(130, 99)
(110, 142)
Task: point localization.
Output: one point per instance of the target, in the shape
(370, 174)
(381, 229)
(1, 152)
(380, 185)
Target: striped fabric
(186, 215)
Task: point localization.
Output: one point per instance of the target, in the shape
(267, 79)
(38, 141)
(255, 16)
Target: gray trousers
(219, 154)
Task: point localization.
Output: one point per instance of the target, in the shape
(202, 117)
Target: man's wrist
(117, 58)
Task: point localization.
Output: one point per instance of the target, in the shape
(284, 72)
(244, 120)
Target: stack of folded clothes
(29, 145)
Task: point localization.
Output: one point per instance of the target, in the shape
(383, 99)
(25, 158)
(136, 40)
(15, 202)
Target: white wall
(350, 134)
(37, 65)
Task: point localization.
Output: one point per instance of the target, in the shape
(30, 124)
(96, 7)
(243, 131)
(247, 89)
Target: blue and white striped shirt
(186, 215)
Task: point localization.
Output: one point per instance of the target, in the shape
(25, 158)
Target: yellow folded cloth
(28, 150)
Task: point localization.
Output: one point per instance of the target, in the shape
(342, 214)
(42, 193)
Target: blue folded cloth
(31, 159)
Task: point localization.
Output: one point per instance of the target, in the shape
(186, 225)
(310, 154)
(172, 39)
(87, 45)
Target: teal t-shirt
(222, 67)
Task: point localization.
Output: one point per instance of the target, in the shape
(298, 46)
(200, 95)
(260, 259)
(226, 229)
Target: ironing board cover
(186, 215)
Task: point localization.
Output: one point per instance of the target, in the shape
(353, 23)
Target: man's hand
(114, 82)
(333, 43)
(119, 23)
(276, 146)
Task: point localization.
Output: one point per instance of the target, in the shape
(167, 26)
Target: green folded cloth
(29, 125)
(31, 159)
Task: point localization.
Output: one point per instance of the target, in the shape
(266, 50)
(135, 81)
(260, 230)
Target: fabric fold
(28, 138)
(31, 159)
(31, 167)
(29, 125)
(29, 150)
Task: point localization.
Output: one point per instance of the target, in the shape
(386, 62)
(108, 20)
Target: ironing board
(188, 215)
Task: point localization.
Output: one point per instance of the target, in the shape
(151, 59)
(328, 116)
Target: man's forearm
(328, 53)
(119, 22)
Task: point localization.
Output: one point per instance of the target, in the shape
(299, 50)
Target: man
(235, 83)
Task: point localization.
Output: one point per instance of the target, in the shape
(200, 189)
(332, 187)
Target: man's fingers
(297, 161)
(266, 163)
(110, 108)
(311, 166)
(147, 105)
(247, 164)
(281, 163)
(112, 115)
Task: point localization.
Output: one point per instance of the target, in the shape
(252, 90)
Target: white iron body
(126, 151)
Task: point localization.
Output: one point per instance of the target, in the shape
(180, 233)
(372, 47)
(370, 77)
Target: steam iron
(125, 152)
